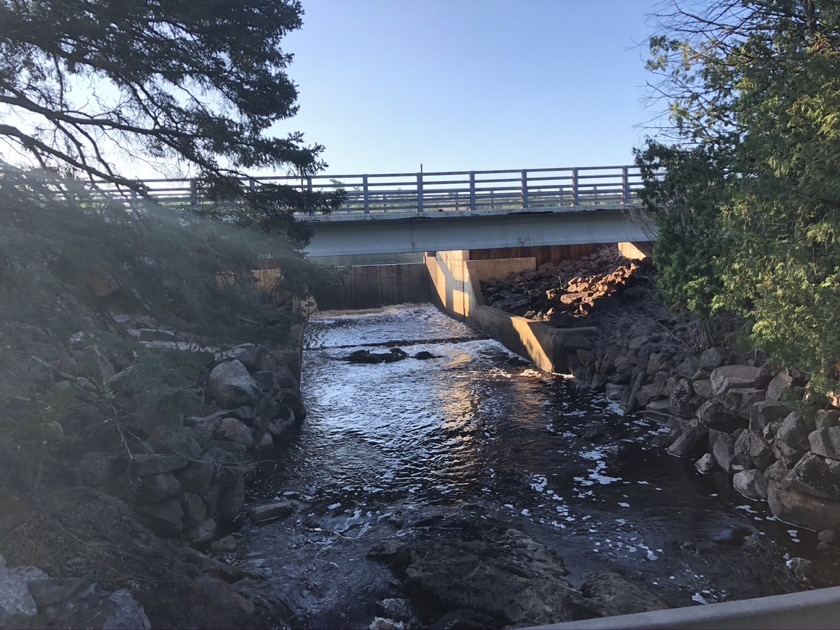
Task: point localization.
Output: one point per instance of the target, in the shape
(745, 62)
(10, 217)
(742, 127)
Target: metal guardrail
(558, 189)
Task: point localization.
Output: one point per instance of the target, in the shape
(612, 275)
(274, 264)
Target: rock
(827, 418)
(741, 399)
(658, 410)
(825, 442)
(703, 388)
(155, 488)
(729, 377)
(776, 471)
(712, 358)
(226, 544)
(232, 430)
(761, 453)
(397, 609)
(424, 355)
(232, 500)
(195, 509)
(741, 450)
(615, 392)
(496, 579)
(164, 518)
(266, 442)
(689, 366)
(715, 415)
(244, 414)
(15, 598)
(613, 594)
(794, 431)
(202, 533)
(682, 401)
(197, 478)
(816, 477)
(146, 465)
(705, 464)
(751, 483)
(766, 412)
(794, 507)
(722, 447)
(232, 386)
(787, 454)
(271, 511)
(688, 442)
(48, 591)
(127, 613)
(96, 469)
(777, 387)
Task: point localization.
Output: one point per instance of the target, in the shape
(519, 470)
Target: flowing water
(387, 445)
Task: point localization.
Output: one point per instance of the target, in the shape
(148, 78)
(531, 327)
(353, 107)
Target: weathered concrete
(810, 609)
(372, 286)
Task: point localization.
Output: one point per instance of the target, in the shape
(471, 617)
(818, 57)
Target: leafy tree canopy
(193, 82)
(754, 90)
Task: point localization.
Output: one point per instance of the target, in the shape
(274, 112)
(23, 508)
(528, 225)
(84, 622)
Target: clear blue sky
(387, 85)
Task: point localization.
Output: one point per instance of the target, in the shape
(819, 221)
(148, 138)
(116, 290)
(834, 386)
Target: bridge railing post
(524, 189)
(309, 193)
(575, 188)
(419, 193)
(472, 191)
(365, 194)
(625, 186)
(193, 194)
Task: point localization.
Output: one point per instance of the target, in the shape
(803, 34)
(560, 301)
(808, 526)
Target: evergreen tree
(198, 82)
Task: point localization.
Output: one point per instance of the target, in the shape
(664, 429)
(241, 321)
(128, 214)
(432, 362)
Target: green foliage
(682, 191)
(758, 83)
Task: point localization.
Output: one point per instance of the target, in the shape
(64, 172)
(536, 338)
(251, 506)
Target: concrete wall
(372, 286)
(457, 280)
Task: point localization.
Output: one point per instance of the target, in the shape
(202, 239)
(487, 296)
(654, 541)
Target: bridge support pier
(457, 283)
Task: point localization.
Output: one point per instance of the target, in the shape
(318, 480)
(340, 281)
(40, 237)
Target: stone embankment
(141, 497)
(729, 413)
(191, 486)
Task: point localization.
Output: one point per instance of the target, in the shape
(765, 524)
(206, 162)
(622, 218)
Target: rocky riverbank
(118, 535)
(734, 414)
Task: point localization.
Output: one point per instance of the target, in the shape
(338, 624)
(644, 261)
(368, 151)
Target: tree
(194, 82)
(757, 82)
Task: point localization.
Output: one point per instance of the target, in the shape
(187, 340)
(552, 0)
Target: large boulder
(794, 431)
(816, 477)
(825, 442)
(689, 441)
(232, 386)
(682, 401)
(729, 377)
(616, 595)
(722, 446)
(751, 483)
(716, 415)
(792, 506)
(492, 579)
(766, 412)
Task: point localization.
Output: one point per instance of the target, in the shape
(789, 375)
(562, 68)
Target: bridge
(395, 213)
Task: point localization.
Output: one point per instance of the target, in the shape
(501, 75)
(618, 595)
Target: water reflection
(478, 426)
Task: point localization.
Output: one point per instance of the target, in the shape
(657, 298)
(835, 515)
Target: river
(386, 447)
